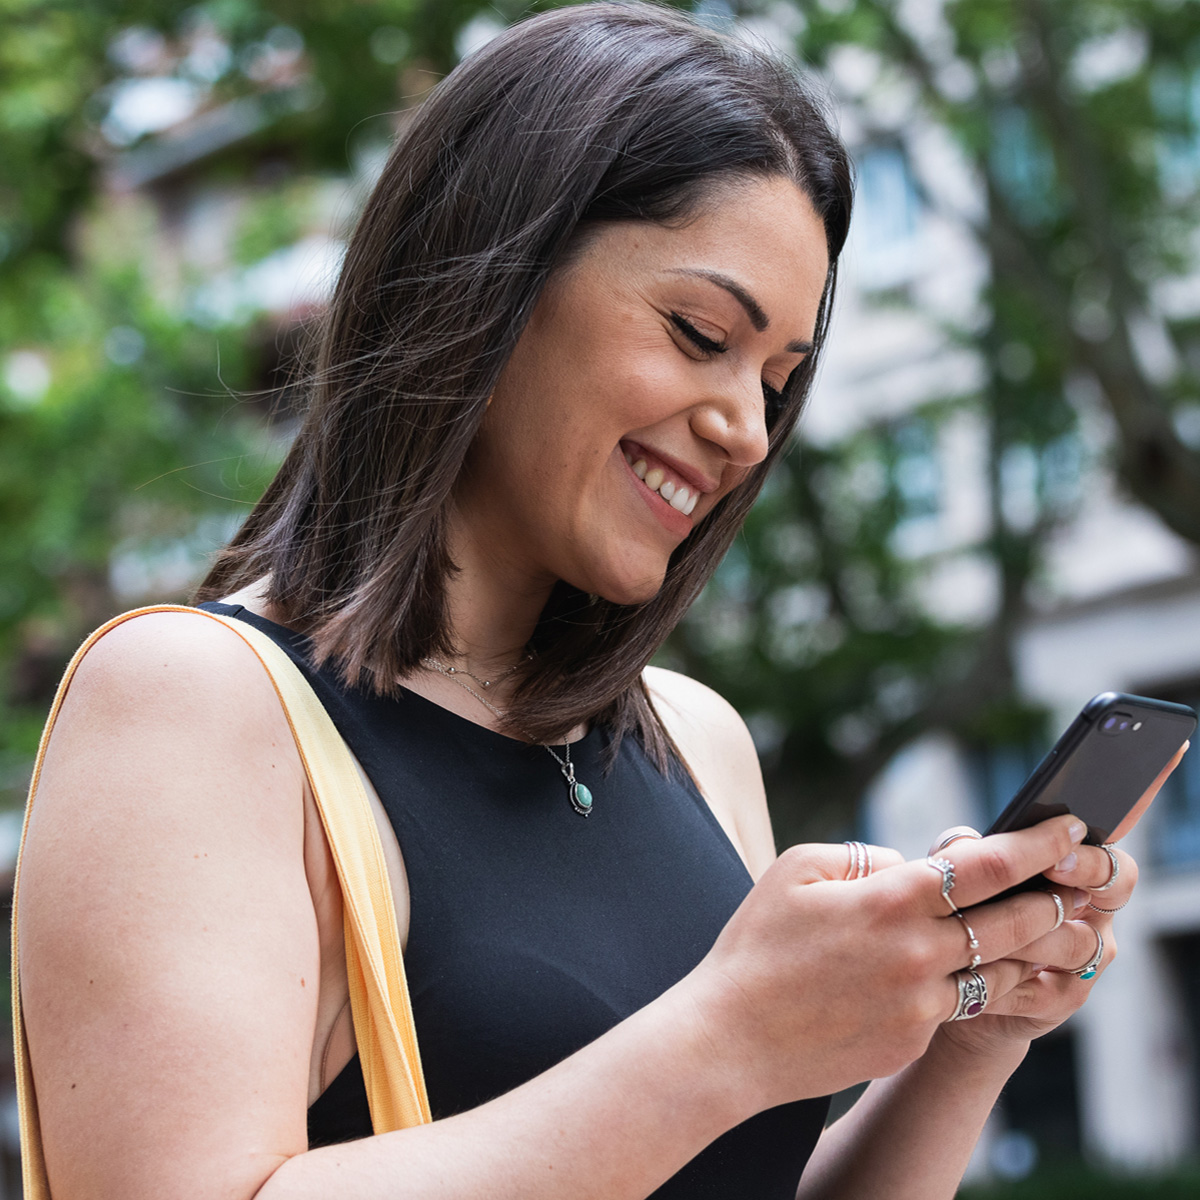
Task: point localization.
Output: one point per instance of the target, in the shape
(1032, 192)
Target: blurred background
(992, 512)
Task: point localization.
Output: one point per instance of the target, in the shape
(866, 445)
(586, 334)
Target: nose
(734, 418)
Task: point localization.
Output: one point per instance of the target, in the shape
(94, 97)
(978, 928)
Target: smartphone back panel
(1101, 766)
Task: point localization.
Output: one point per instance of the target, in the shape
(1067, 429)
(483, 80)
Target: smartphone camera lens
(1116, 724)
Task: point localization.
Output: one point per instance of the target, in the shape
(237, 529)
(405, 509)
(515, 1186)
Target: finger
(819, 862)
(999, 978)
(1044, 996)
(1135, 813)
(1099, 949)
(1105, 871)
(1066, 949)
(1006, 928)
(975, 871)
(955, 833)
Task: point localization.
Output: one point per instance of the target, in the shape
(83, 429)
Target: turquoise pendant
(1088, 975)
(581, 798)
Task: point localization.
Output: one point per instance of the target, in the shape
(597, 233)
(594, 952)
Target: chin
(631, 591)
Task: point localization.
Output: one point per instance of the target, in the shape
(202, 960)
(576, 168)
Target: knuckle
(895, 903)
(1129, 869)
(995, 865)
(922, 959)
(1032, 916)
(794, 862)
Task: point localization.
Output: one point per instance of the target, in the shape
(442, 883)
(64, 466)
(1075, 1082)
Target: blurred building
(1118, 609)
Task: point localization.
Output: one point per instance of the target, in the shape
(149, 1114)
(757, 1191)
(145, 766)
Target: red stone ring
(972, 995)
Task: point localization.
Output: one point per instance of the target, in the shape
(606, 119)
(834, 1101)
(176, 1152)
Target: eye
(775, 401)
(705, 345)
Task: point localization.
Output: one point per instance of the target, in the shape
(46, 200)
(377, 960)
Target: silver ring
(954, 837)
(1106, 911)
(972, 940)
(945, 868)
(1116, 869)
(1089, 968)
(972, 995)
(859, 860)
(1058, 904)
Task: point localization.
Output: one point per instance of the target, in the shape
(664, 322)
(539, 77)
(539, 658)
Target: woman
(576, 324)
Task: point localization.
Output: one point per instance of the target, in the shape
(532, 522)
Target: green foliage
(820, 626)
(1077, 1182)
(1081, 126)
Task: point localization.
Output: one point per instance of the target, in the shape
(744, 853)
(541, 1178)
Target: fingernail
(1081, 899)
(1077, 829)
(1037, 968)
(1067, 864)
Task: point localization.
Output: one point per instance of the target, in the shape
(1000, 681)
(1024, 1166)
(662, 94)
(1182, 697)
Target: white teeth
(678, 496)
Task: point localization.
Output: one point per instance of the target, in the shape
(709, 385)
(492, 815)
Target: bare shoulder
(184, 655)
(718, 749)
(164, 906)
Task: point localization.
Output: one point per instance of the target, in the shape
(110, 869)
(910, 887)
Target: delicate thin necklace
(579, 794)
(450, 672)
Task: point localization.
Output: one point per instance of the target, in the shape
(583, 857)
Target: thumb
(819, 862)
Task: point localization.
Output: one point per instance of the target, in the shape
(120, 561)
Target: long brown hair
(594, 113)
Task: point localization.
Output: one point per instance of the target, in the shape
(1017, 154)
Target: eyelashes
(694, 336)
(774, 398)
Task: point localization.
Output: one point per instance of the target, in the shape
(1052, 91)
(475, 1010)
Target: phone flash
(1136, 726)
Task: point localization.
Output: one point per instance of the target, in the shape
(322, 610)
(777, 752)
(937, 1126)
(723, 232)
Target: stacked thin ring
(1058, 904)
(945, 868)
(972, 995)
(1116, 869)
(1089, 968)
(860, 860)
(951, 838)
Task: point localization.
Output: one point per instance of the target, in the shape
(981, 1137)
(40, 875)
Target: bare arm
(911, 1135)
(170, 951)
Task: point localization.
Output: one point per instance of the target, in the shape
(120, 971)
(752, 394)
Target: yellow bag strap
(379, 1000)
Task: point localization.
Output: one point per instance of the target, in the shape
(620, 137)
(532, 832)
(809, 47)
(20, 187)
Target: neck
(493, 605)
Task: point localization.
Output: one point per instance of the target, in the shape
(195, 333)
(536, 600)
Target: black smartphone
(1100, 768)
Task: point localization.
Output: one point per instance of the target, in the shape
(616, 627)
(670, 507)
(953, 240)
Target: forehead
(763, 233)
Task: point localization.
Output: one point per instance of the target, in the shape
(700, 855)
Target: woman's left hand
(1052, 990)
(1092, 887)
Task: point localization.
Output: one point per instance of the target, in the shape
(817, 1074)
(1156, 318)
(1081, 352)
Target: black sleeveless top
(534, 930)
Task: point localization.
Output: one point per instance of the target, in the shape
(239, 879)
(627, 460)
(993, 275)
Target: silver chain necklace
(579, 794)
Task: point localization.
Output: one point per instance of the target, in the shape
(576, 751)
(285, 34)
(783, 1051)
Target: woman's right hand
(817, 983)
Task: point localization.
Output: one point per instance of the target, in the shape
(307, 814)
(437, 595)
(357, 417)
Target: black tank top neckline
(533, 931)
(288, 637)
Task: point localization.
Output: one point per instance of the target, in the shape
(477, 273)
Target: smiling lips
(676, 493)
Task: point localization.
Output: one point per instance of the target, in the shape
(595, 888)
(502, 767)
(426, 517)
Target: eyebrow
(754, 311)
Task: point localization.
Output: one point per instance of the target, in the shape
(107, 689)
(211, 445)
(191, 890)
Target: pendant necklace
(579, 794)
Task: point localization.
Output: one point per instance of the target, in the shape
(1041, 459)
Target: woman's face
(641, 373)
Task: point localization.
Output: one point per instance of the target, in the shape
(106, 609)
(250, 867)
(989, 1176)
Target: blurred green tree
(1079, 125)
(1079, 128)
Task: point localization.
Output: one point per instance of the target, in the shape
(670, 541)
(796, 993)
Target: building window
(998, 772)
(915, 475)
(887, 222)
